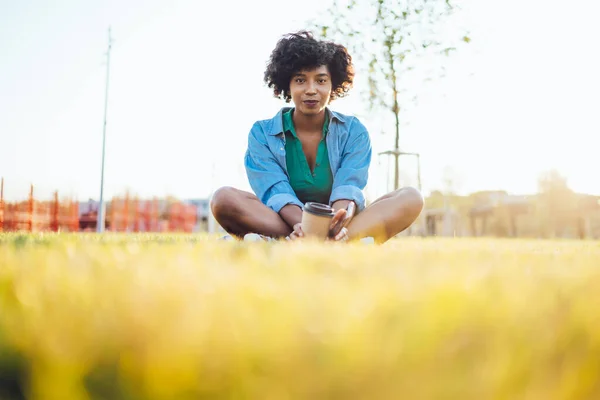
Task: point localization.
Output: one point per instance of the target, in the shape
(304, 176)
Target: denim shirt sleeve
(352, 175)
(266, 177)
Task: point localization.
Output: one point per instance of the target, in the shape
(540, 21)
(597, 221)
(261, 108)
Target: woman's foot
(255, 237)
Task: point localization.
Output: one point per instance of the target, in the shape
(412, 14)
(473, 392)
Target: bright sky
(186, 86)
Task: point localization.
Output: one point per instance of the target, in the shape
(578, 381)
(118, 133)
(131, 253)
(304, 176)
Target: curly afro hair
(298, 51)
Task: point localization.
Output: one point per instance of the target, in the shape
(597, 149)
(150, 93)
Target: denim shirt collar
(275, 126)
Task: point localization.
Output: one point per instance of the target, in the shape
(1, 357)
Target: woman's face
(311, 90)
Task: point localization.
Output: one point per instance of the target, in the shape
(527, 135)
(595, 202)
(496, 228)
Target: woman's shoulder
(271, 125)
(351, 122)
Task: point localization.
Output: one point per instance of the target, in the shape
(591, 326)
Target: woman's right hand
(297, 233)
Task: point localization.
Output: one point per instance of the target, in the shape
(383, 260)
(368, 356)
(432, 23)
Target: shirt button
(281, 148)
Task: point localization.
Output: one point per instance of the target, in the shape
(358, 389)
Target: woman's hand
(338, 230)
(297, 233)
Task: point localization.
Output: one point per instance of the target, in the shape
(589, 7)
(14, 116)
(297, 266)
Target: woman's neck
(308, 123)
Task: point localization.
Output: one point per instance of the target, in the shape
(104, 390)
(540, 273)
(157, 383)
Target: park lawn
(144, 316)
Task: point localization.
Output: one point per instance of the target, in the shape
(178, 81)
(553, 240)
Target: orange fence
(126, 214)
(133, 215)
(37, 216)
(183, 217)
(123, 214)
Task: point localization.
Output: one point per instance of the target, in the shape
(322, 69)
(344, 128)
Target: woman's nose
(311, 88)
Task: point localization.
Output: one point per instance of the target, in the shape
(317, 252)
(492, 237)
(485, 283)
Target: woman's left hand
(338, 231)
(341, 236)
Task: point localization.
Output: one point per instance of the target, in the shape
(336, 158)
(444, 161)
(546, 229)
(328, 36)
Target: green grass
(189, 317)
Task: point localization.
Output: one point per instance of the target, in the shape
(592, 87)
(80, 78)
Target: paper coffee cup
(316, 219)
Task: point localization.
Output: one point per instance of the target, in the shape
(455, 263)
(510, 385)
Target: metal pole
(2, 204)
(419, 171)
(101, 218)
(396, 168)
(397, 153)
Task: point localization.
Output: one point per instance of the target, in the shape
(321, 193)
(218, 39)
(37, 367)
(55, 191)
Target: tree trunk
(396, 145)
(396, 110)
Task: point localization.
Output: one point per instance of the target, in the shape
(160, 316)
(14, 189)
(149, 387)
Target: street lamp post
(101, 214)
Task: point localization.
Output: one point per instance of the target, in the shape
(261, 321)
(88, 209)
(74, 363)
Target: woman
(310, 153)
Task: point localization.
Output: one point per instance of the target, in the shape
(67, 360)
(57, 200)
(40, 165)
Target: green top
(308, 185)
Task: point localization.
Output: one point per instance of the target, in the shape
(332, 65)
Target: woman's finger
(297, 230)
(337, 222)
(335, 228)
(351, 209)
(338, 217)
(342, 235)
(349, 213)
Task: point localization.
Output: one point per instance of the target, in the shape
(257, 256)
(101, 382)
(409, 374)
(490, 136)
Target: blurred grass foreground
(189, 317)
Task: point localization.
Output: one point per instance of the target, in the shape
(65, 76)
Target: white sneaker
(255, 237)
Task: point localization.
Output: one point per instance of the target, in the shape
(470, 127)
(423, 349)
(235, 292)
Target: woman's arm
(352, 175)
(266, 177)
(291, 214)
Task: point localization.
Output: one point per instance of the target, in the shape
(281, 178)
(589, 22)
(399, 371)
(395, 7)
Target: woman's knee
(223, 201)
(412, 200)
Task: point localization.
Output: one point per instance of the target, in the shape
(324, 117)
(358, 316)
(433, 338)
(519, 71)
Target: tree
(557, 202)
(386, 38)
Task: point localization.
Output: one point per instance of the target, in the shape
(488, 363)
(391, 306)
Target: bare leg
(387, 216)
(240, 212)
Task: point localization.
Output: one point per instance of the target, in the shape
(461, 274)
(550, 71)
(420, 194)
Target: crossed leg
(387, 216)
(240, 212)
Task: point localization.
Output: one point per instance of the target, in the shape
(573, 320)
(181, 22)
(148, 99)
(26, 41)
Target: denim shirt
(349, 148)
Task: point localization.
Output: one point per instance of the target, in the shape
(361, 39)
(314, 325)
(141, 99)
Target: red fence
(123, 214)
(126, 214)
(37, 216)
